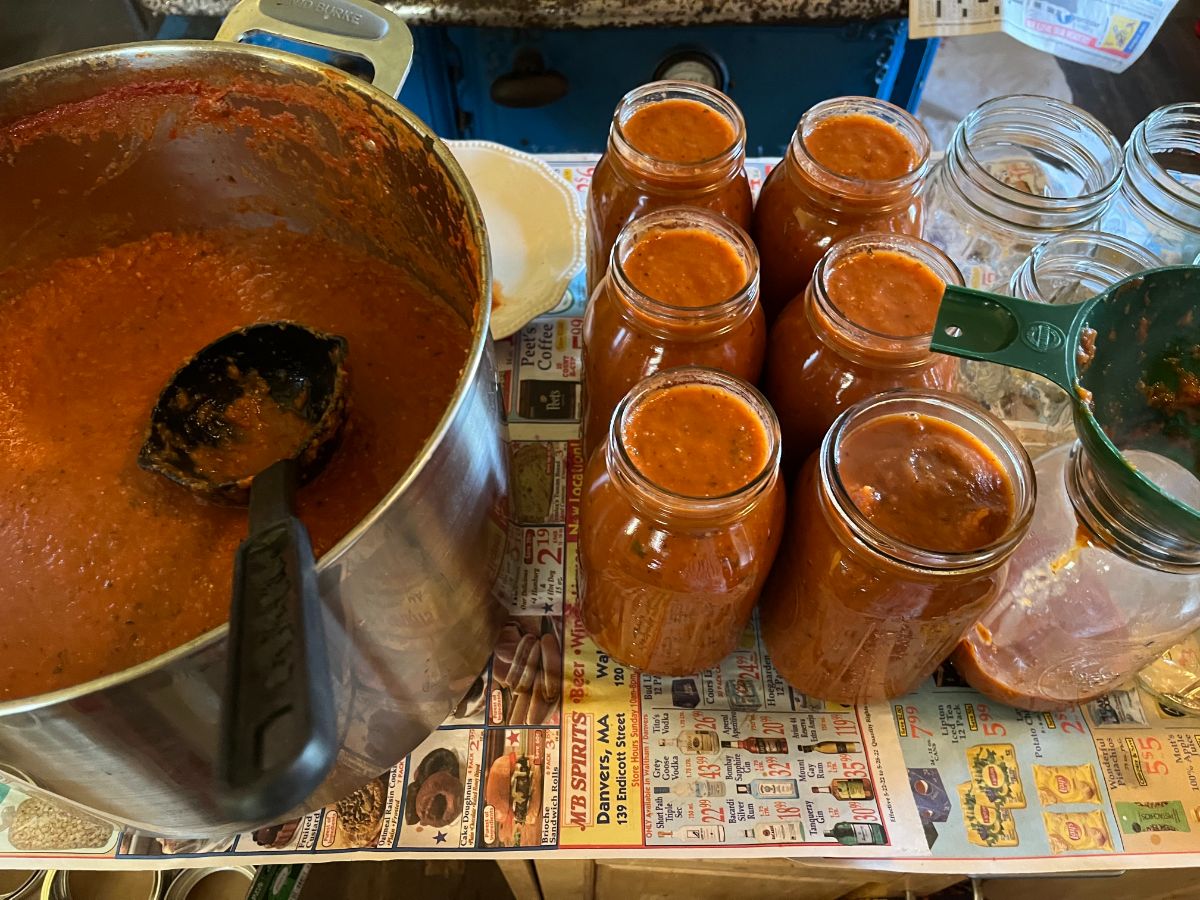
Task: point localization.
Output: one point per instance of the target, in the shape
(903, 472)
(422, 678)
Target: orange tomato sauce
(857, 145)
(264, 433)
(679, 131)
(685, 267)
(927, 482)
(886, 292)
(696, 440)
(104, 565)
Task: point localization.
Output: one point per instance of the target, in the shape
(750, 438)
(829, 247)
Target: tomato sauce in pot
(104, 565)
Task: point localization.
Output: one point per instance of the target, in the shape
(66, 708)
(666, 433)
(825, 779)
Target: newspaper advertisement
(558, 749)
(1108, 34)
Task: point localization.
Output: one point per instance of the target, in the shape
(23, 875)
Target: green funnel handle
(1036, 337)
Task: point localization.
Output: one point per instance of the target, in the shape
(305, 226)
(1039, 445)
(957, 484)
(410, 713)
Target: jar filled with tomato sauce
(861, 327)
(900, 530)
(682, 289)
(854, 165)
(671, 143)
(682, 514)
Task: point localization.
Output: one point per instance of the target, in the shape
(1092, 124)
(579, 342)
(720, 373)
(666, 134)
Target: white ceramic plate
(535, 228)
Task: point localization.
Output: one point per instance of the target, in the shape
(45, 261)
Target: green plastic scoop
(1140, 390)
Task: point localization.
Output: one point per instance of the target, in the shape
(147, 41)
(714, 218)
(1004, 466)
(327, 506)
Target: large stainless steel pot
(113, 144)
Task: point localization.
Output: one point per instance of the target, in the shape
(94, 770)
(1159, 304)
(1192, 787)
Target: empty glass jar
(1095, 592)
(1158, 204)
(1019, 169)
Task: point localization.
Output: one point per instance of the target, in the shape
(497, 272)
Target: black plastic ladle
(278, 728)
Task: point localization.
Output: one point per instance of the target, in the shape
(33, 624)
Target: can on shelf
(218, 883)
(91, 884)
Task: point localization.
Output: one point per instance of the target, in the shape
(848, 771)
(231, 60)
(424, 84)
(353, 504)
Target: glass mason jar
(820, 361)
(1093, 595)
(853, 614)
(1019, 169)
(1158, 203)
(1067, 268)
(804, 206)
(667, 581)
(628, 182)
(628, 335)
(1174, 678)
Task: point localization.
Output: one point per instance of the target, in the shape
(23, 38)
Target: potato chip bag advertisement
(1011, 783)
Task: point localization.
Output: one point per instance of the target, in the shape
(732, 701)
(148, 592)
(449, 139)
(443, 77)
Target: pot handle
(361, 29)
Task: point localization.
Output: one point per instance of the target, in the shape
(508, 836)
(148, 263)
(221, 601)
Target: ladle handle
(278, 729)
(1036, 337)
(366, 30)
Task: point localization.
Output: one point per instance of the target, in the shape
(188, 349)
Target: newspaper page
(559, 750)
(1108, 34)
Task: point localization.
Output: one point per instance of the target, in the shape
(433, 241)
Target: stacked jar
(854, 165)
(671, 143)
(1019, 169)
(861, 327)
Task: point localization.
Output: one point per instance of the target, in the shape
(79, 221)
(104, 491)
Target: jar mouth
(1131, 530)
(682, 218)
(832, 324)
(987, 429)
(1173, 128)
(1068, 149)
(624, 471)
(1077, 265)
(657, 91)
(889, 113)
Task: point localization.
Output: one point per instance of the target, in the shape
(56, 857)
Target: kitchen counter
(596, 13)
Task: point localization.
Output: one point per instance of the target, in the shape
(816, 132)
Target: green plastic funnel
(1140, 391)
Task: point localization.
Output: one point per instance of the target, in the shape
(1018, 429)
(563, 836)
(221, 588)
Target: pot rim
(115, 54)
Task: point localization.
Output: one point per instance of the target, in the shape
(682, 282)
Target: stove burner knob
(530, 83)
(693, 65)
